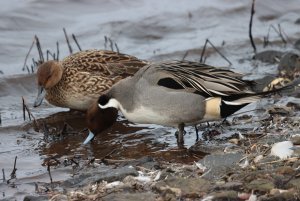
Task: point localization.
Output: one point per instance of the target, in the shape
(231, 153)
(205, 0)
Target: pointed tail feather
(240, 99)
(231, 104)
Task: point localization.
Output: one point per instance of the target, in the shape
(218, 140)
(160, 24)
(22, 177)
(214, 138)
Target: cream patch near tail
(212, 108)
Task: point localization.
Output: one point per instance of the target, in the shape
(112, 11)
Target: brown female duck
(78, 80)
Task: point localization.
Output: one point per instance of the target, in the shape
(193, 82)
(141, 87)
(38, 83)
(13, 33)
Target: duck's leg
(180, 140)
(197, 134)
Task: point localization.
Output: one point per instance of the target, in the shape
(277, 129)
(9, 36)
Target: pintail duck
(76, 81)
(175, 94)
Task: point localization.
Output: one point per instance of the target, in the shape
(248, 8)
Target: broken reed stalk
(105, 42)
(13, 173)
(46, 131)
(49, 172)
(117, 48)
(51, 54)
(38, 45)
(279, 33)
(73, 161)
(204, 49)
(108, 154)
(92, 160)
(266, 38)
(64, 129)
(111, 44)
(35, 63)
(3, 175)
(185, 55)
(68, 42)
(75, 39)
(25, 107)
(27, 68)
(24, 114)
(36, 187)
(57, 51)
(250, 26)
(283, 33)
(27, 55)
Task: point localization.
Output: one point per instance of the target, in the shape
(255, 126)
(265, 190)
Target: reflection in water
(67, 131)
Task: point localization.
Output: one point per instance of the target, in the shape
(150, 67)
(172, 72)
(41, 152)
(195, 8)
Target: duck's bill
(89, 138)
(40, 97)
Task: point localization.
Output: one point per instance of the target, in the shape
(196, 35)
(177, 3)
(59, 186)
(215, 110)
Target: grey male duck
(77, 80)
(176, 94)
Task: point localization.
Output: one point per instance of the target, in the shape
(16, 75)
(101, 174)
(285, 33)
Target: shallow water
(153, 30)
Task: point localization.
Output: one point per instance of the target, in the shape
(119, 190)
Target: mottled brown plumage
(77, 81)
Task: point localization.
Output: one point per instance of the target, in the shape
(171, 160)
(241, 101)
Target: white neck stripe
(111, 103)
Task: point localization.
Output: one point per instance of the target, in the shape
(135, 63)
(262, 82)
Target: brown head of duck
(48, 75)
(98, 120)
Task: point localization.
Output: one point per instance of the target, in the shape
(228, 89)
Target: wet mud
(231, 161)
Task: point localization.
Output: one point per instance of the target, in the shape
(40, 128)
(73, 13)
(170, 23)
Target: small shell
(283, 150)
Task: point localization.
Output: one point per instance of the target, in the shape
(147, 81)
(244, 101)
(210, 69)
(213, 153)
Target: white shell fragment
(252, 197)
(245, 163)
(283, 150)
(258, 158)
(114, 184)
(157, 177)
(200, 166)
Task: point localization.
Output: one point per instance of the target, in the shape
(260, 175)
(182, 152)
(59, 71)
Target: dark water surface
(153, 30)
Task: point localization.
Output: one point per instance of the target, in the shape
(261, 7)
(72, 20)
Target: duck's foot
(184, 133)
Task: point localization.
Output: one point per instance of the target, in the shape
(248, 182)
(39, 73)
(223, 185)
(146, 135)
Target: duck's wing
(201, 78)
(104, 62)
(91, 85)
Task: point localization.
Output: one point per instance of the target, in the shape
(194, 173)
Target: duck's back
(103, 62)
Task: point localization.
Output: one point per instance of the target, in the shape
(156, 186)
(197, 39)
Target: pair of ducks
(176, 93)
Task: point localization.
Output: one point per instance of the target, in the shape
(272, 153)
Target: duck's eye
(103, 100)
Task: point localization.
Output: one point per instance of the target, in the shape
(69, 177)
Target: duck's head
(99, 119)
(48, 75)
